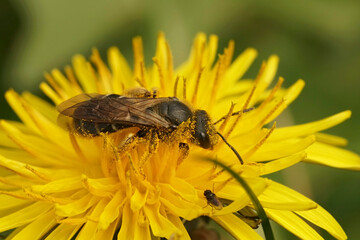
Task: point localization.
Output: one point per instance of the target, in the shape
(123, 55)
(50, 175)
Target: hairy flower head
(57, 184)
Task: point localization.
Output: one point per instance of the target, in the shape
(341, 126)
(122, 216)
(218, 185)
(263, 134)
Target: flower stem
(258, 207)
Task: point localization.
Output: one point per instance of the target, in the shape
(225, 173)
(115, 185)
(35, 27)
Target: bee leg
(184, 152)
(142, 133)
(131, 141)
(128, 143)
(137, 92)
(154, 92)
(153, 144)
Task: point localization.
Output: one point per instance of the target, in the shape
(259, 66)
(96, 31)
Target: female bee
(93, 114)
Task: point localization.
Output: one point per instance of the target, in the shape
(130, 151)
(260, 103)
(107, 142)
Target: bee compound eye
(204, 140)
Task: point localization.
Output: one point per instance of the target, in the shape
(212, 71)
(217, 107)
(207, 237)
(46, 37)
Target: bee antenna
(231, 147)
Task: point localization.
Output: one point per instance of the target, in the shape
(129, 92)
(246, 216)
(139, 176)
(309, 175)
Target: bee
(93, 114)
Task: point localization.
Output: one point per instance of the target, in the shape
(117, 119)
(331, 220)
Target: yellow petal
(42, 106)
(24, 215)
(47, 128)
(243, 200)
(51, 93)
(14, 232)
(183, 235)
(26, 170)
(263, 80)
(20, 155)
(9, 202)
(328, 155)
(163, 65)
(273, 150)
(76, 207)
(331, 139)
(277, 194)
(44, 150)
(293, 224)
(184, 189)
(111, 211)
(198, 45)
(16, 104)
(104, 74)
(76, 220)
(236, 227)
(108, 233)
(64, 83)
(61, 185)
(310, 128)
(63, 231)
(121, 71)
(160, 225)
(240, 65)
(128, 224)
(290, 95)
(282, 163)
(293, 92)
(211, 50)
(142, 231)
(84, 75)
(265, 77)
(233, 190)
(179, 207)
(102, 187)
(138, 200)
(14, 181)
(5, 141)
(323, 219)
(89, 229)
(39, 227)
(290, 206)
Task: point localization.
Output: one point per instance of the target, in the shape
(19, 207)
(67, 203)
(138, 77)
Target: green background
(318, 41)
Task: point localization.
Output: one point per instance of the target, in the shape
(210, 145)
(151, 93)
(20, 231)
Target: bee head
(204, 133)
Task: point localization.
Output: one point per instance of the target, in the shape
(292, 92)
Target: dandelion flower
(55, 184)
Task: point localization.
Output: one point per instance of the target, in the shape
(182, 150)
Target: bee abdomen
(84, 127)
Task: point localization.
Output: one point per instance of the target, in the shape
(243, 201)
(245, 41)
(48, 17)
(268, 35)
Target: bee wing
(68, 107)
(114, 109)
(138, 111)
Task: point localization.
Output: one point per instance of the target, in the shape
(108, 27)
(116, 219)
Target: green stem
(258, 207)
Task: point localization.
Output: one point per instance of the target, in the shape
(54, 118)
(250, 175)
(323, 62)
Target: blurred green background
(318, 41)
